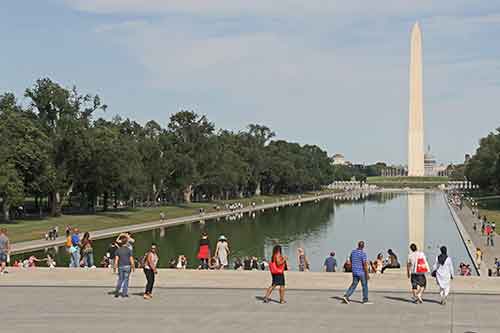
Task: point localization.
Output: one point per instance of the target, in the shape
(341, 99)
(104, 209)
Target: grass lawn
(25, 230)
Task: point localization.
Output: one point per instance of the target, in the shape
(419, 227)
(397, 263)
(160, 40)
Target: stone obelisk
(416, 119)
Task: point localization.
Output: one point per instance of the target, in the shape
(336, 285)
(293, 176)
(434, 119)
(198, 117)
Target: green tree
(64, 115)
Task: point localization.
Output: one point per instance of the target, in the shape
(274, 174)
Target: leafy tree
(484, 167)
(23, 156)
(63, 115)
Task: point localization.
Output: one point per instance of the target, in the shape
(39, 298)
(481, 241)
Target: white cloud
(327, 72)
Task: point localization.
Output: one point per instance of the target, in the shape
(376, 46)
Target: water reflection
(416, 221)
(384, 220)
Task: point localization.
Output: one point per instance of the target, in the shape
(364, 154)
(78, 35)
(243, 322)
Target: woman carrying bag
(277, 269)
(443, 272)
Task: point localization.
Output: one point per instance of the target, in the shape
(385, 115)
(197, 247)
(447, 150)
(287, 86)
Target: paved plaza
(75, 309)
(65, 300)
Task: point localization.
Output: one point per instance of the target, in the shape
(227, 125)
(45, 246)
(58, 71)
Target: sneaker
(345, 299)
(367, 303)
(125, 296)
(414, 299)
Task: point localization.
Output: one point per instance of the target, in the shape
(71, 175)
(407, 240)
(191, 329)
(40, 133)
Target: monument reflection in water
(416, 218)
(384, 220)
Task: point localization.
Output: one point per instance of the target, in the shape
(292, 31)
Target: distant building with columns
(339, 159)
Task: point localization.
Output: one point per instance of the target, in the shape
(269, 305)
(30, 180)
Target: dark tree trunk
(55, 204)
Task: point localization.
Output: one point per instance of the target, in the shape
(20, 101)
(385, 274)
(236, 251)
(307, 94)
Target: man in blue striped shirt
(359, 263)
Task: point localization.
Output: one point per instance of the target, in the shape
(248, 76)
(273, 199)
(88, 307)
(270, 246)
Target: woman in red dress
(204, 251)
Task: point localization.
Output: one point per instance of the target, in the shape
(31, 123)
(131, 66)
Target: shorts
(278, 279)
(3, 257)
(418, 280)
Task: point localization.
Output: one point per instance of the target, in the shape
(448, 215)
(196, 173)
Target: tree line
(484, 166)
(56, 151)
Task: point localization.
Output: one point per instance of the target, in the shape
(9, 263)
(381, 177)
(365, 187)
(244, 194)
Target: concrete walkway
(76, 309)
(475, 237)
(392, 280)
(29, 246)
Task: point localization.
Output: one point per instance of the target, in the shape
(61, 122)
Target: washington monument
(416, 119)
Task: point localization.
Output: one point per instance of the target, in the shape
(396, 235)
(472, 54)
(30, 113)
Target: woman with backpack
(277, 268)
(150, 265)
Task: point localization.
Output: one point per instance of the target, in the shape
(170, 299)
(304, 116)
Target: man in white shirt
(416, 268)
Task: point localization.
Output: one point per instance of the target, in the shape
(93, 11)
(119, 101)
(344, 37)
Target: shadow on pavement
(260, 298)
(407, 300)
(342, 300)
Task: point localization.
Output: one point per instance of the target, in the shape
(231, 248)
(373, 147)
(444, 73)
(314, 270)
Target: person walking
(359, 264)
(124, 265)
(74, 250)
(330, 264)
(443, 272)
(4, 250)
(277, 269)
(204, 251)
(302, 260)
(222, 252)
(479, 257)
(416, 268)
(488, 231)
(87, 251)
(150, 269)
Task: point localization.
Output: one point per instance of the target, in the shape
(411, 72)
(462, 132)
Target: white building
(339, 159)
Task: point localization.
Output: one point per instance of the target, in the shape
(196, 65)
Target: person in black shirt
(247, 264)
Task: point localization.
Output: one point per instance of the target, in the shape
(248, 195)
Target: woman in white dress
(222, 252)
(443, 270)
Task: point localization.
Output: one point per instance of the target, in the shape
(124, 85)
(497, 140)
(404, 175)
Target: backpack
(144, 260)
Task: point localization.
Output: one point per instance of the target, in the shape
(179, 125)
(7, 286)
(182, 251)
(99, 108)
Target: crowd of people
(480, 225)
(120, 258)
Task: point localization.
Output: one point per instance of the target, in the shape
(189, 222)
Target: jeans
(75, 259)
(88, 259)
(354, 284)
(123, 277)
(150, 277)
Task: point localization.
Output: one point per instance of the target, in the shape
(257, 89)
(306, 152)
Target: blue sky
(332, 73)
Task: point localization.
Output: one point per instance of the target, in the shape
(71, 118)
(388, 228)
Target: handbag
(421, 265)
